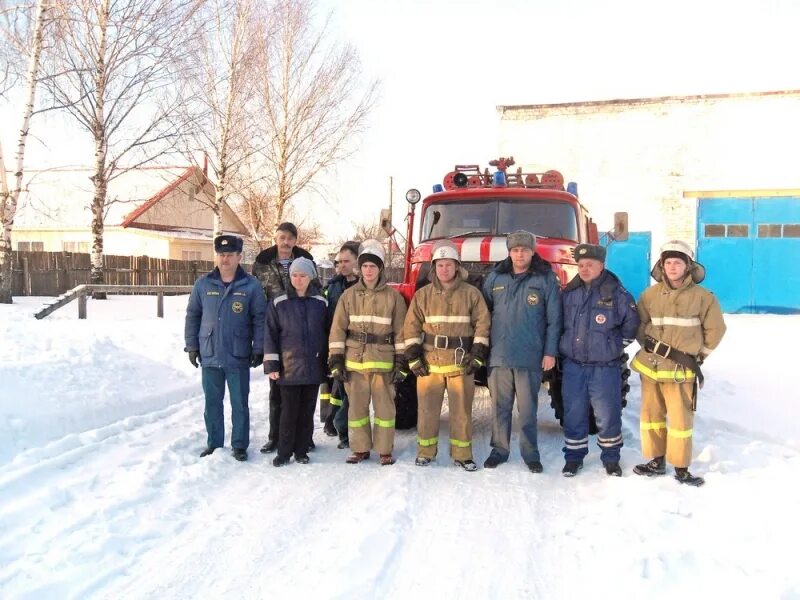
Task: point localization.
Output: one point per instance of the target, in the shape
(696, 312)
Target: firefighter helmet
(445, 249)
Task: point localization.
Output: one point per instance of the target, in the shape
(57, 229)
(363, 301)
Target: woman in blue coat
(295, 358)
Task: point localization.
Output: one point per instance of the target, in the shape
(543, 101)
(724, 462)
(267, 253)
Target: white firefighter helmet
(371, 251)
(677, 246)
(445, 249)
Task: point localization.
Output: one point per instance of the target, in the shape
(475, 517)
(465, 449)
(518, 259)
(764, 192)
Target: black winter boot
(613, 469)
(467, 465)
(571, 469)
(654, 467)
(270, 446)
(422, 461)
(240, 454)
(683, 476)
(207, 452)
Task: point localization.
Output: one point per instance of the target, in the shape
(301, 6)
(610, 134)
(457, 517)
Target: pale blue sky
(445, 66)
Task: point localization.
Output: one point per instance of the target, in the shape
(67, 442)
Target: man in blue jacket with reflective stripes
(600, 319)
(225, 333)
(523, 295)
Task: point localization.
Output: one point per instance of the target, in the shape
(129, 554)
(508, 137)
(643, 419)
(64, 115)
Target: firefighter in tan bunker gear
(681, 323)
(366, 353)
(447, 339)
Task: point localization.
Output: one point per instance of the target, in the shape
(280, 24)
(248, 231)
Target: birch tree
(10, 197)
(313, 102)
(115, 70)
(220, 90)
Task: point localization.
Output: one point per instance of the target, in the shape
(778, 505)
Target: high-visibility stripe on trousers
(430, 394)
(361, 388)
(666, 421)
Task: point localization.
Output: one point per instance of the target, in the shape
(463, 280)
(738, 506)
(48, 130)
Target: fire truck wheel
(406, 403)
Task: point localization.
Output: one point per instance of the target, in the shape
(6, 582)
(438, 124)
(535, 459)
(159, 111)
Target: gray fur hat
(590, 251)
(521, 238)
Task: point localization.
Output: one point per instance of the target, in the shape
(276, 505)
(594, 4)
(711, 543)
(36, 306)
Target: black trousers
(297, 419)
(274, 411)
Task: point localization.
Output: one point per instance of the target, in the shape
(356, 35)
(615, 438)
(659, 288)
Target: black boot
(654, 467)
(535, 467)
(280, 461)
(422, 461)
(330, 430)
(571, 468)
(492, 461)
(613, 469)
(467, 465)
(345, 443)
(240, 454)
(207, 452)
(683, 476)
(270, 446)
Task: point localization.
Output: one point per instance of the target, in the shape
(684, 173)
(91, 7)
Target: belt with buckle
(443, 342)
(370, 338)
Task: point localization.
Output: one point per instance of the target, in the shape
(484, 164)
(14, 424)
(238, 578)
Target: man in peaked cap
(600, 319)
(224, 303)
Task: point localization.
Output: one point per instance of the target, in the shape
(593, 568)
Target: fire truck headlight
(413, 196)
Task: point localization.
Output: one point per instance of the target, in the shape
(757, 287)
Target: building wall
(640, 156)
(116, 241)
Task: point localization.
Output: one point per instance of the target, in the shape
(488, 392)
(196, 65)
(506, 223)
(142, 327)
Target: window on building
(766, 230)
(739, 231)
(79, 247)
(715, 231)
(191, 255)
(791, 231)
(30, 246)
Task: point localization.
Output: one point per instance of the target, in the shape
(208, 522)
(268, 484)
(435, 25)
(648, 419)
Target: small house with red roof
(161, 212)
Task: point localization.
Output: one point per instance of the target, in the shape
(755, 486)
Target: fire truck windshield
(495, 216)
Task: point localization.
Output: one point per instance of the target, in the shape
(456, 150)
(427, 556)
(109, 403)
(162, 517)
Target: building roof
(61, 198)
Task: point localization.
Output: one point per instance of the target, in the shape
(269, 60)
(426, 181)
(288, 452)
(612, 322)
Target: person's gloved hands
(419, 367)
(256, 360)
(476, 358)
(194, 358)
(473, 363)
(400, 371)
(336, 367)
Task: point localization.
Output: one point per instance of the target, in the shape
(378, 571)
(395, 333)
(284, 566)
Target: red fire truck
(476, 209)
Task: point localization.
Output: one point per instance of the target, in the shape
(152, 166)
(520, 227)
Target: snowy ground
(102, 494)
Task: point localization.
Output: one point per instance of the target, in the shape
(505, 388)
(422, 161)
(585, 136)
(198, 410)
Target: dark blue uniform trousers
(238, 379)
(598, 386)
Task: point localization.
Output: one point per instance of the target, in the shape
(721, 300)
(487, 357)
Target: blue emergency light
(499, 178)
(437, 187)
(572, 188)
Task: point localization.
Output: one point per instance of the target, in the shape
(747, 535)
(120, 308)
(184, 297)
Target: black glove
(419, 367)
(400, 371)
(256, 360)
(473, 363)
(194, 358)
(336, 367)
(476, 358)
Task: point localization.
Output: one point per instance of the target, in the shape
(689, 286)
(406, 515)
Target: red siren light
(553, 178)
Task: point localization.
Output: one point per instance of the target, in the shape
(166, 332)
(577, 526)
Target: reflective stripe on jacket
(458, 312)
(225, 323)
(688, 318)
(380, 311)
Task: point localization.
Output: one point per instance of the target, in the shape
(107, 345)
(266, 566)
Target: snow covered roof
(61, 198)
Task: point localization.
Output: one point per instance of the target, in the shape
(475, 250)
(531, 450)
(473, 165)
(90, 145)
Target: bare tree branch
(313, 104)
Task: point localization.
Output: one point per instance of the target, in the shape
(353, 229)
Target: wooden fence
(55, 273)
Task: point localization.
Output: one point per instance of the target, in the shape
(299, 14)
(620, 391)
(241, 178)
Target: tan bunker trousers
(360, 388)
(430, 394)
(667, 420)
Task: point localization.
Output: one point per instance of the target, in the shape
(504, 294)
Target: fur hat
(224, 244)
(590, 251)
(521, 238)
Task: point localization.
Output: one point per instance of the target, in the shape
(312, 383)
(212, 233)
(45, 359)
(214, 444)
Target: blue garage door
(630, 261)
(751, 250)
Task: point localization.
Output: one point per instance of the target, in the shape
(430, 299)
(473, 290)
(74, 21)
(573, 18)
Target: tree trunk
(8, 200)
(219, 195)
(100, 177)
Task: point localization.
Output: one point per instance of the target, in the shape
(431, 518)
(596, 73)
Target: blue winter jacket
(296, 337)
(526, 314)
(599, 321)
(226, 323)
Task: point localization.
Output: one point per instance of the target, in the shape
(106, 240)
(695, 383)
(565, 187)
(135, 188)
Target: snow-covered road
(110, 500)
